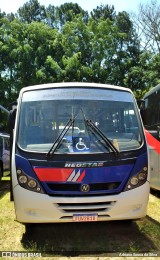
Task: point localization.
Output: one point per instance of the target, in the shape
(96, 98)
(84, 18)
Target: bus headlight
(28, 182)
(32, 184)
(22, 179)
(134, 180)
(142, 176)
(137, 180)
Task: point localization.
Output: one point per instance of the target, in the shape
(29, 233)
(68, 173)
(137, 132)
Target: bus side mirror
(141, 106)
(12, 117)
(11, 124)
(158, 132)
(140, 103)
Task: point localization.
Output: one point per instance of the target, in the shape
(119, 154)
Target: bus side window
(158, 132)
(158, 111)
(143, 110)
(158, 126)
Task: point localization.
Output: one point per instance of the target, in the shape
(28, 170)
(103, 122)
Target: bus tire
(11, 194)
(128, 222)
(29, 228)
(11, 189)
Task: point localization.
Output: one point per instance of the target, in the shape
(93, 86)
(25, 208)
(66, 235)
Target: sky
(9, 6)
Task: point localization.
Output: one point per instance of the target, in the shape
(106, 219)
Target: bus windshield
(95, 115)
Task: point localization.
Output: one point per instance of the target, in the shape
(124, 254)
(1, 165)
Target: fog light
(32, 184)
(134, 181)
(22, 179)
(137, 207)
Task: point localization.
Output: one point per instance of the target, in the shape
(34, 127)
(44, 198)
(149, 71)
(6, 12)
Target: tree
(68, 11)
(101, 50)
(69, 46)
(146, 74)
(24, 52)
(51, 18)
(32, 11)
(8, 48)
(127, 49)
(76, 44)
(104, 12)
(39, 43)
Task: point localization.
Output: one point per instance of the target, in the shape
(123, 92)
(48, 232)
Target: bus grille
(98, 207)
(76, 187)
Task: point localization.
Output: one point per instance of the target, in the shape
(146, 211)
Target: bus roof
(74, 84)
(151, 91)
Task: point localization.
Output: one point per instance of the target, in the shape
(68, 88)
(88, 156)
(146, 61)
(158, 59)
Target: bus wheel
(11, 194)
(29, 227)
(128, 222)
(11, 190)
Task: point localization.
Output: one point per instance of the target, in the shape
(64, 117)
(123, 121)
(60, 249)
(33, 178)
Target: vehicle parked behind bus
(79, 154)
(151, 118)
(4, 154)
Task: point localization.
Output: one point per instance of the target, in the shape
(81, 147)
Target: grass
(77, 239)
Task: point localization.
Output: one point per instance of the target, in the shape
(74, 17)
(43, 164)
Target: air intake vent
(97, 207)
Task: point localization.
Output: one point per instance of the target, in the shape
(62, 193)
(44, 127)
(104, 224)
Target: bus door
(6, 153)
(151, 123)
(154, 167)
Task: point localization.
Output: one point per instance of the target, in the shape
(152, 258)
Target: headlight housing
(137, 180)
(28, 182)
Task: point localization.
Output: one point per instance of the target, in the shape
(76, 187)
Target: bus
(151, 119)
(79, 154)
(4, 155)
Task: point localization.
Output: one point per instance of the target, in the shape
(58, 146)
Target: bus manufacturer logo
(83, 164)
(76, 176)
(84, 187)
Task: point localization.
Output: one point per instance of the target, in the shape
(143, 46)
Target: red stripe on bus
(152, 141)
(52, 174)
(81, 176)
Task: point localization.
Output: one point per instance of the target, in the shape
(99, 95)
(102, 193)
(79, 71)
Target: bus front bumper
(32, 207)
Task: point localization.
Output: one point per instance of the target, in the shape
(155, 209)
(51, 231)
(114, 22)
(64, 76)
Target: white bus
(79, 154)
(151, 118)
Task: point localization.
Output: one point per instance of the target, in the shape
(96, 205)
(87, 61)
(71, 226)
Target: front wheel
(30, 228)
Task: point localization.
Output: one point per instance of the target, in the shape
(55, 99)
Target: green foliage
(54, 44)
(32, 11)
(105, 12)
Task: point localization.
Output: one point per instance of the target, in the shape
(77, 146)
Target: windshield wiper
(59, 138)
(90, 124)
(98, 131)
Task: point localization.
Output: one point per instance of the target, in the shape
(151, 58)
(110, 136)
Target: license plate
(85, 217)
